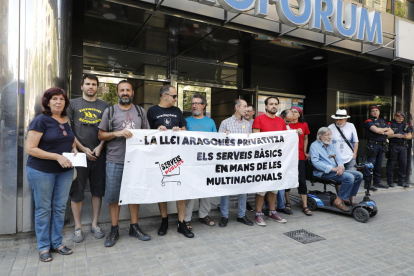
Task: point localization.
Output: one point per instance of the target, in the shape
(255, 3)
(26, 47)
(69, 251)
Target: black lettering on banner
(185, 141)
(199, 141)
(201, 156)
(206, 141)
(193, 141)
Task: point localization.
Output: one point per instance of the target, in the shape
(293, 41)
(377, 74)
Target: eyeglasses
(196, 103)
(63, 130)
(173, 96)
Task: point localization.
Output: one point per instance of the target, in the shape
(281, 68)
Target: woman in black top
(49, 172)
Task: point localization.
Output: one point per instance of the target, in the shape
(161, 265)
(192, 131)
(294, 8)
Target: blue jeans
(350, 181)
(225, 206)
(50, 194)
(280, 199)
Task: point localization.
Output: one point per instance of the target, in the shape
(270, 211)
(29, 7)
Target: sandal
(307, 211)
(63, 250)
(45, 257)
(187, 223)
(207, 221)
(287, 205)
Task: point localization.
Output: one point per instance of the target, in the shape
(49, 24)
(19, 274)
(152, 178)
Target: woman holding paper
(49, 172)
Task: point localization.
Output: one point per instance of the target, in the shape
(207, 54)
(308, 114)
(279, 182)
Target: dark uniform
(409, 157)
(376, 146)
(398, 152)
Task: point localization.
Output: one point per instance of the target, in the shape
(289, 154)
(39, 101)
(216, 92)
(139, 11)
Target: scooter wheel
(373, 214)
(361, 215)
(312, 204)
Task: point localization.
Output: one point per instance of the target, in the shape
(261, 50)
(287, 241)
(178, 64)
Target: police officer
(409, 154)
(398, 149)
(377, 133)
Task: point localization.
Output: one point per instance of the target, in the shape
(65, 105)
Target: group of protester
(89, 125)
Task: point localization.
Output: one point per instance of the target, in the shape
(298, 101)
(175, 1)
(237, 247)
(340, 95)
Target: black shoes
(391, 185)
(379, 185)
(248, 207)
(112, 236)
(223, 222)
(183, 229)
(373, 188)
(285, 211)
(164, 227)
(245, 220)
(136, 231)
(403, 184)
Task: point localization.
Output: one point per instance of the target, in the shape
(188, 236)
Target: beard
(125, 101)
(326, 142)
(90, 93)
(271, 111)
(196, 113)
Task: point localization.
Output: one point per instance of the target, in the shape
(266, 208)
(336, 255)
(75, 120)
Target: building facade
(318, 59)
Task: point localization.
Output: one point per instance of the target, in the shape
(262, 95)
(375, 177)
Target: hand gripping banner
(175, 165)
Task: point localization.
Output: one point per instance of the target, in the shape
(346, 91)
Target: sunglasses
(63, 130)
(173, 96)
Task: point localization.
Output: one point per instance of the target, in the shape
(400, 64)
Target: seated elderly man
(329, 165)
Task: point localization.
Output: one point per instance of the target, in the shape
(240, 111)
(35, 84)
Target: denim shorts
(113, 181)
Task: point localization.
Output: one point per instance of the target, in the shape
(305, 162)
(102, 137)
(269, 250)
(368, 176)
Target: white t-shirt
(341, 146)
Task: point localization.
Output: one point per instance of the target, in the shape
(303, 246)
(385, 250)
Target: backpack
(111, 117)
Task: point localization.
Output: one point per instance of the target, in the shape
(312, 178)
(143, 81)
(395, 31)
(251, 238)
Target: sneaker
(77, 235)
(136, 231)
(112, 237)
(97, 232)
(182, 228)
(273, 215)
(259, 219)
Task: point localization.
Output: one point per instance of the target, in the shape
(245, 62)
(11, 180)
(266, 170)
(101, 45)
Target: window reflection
(380, 5)
(357, 106)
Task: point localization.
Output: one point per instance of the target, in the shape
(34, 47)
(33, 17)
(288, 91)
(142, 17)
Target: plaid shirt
(233, 125)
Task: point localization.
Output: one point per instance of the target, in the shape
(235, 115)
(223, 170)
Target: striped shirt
(233, 125)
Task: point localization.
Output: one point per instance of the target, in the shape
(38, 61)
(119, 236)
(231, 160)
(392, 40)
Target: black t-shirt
(86, 117)
(52, 141)
(168, 117)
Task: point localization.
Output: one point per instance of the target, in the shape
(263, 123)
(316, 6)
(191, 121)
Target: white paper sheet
(77, 161)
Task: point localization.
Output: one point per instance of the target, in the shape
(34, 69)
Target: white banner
(168, 166)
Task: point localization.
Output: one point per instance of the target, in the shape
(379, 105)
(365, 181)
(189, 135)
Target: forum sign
(330, 17)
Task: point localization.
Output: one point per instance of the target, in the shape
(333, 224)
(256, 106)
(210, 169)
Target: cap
(399, 114)
(298, 109)
(374, 107)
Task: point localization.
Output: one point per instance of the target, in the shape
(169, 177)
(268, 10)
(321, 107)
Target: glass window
(380, 5)
(357, 106)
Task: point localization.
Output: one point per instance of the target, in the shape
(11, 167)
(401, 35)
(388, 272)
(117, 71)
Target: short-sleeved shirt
(169, 117)
(305, 131)
(233, 125)
(265, 123)
(204, 124)
(86, 117)
(342, 148)
(122, 119)
(401, 128)
(52, 141)
(380, 123)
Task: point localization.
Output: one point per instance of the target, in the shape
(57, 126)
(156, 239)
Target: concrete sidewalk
(382, 246)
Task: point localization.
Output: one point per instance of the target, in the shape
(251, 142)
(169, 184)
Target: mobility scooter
(324, 200)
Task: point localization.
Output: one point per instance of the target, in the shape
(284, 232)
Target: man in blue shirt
(199, 122)
(329, 165)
